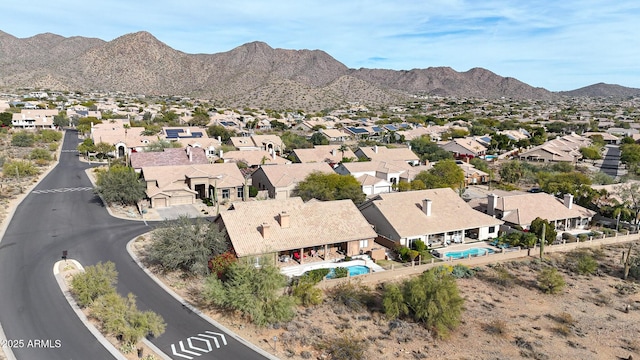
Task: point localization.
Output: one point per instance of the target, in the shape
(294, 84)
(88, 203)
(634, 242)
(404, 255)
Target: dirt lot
(506, 316)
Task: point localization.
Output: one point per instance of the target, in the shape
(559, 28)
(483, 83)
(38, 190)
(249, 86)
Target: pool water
(354, 270)
(469, 252)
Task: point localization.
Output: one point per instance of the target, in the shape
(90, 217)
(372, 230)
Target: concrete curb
(7, 350)
(72, 302)
(194, 309)
(101, 339)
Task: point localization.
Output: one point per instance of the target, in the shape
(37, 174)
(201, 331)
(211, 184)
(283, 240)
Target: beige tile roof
(403, 211)
(43, 117)
(253, 158)
(284, 175)
(389, 154)
(256, 141)
(322, 153)
(333, 133)
(314, 223)
(468, 143)
(522, 209)
(172, 176)
(114, 133)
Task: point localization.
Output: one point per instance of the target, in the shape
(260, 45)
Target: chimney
(333, 152)
(265, 230)
(221, 153)
(273, 155)
(188, 131)
(426, 206)
(492, 203)
(284, 220)
(568, 200)
(375, 149)
(219, 139)
(190, 156)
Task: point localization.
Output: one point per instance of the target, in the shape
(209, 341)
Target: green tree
(294, 141)
(512, 171)
(199, 119)
(22, 139)
(5, 118)
(630, 195)
(550, 229)
(187, 245)
(160, 145)
(255, 292)
(445, 173)
(319, 139)
(215, 131)
(325, 187)
(95, 281)
(104, 149)
(630, 154)
(120, 184)
(61, 120)
(591, 153)
(429, 150)
(86, 146)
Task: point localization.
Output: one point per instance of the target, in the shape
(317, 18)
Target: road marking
(197, 349)
(61, 190)
(69, 151)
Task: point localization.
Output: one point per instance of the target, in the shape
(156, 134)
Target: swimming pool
(466, 253)
(354, 270)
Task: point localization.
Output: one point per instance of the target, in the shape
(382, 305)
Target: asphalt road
(62, 213)
(611, 161)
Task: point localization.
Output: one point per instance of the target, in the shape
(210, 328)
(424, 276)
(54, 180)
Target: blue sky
(558, 45)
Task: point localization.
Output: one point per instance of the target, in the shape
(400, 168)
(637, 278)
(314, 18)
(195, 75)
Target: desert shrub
(94, 282)
(40, 154)
(496, 327)
(550, 281)
(49, 136)
(569, 237)
(255, 292)
(499, 275)
(341, 272)
(52, 147)
(187, 245)
(306, 294)
(432, 299)
(314, 276)
(583, 237)
(462, 271)
(419, 246)
(562, 329)
(22, 139)
(565, 318)
(18, 169)
(345, 347)
(353, 295)
(586, 265)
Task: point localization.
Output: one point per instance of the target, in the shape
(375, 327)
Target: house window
(240, 192)
(492, 229)
(364, 243)
(226, 193)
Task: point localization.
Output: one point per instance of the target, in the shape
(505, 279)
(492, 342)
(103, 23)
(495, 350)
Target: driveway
(174, 212)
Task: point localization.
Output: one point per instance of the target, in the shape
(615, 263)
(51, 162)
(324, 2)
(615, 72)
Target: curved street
(63, 214)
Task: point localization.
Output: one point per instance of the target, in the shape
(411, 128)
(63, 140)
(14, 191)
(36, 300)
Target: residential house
(126, 139)
(606, 137)
(520, 209)
(560, 149)
(473, 176)
(465, 148)
(382, 153)
(433, 216)
(194, 137)
(252, 158)
(322, 153)
(334, 135)
(290, 229)
(280, 181)
(269, 143)
(34, 119)
(183, 184)
(168, 157)
(379, 176)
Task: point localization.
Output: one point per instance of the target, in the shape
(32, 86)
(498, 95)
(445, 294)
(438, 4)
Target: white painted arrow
(173, 350)
(224, 340)
(209, 348)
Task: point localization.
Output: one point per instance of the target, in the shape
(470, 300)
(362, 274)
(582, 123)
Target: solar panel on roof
(391, 128)
(356, 130)
(377, 129)
(197, 134)
(172, 133)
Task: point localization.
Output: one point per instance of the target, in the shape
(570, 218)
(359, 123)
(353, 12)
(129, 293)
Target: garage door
(159, 202)
(181, 200)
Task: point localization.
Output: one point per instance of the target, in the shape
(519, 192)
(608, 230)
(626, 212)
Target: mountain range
(253, 74)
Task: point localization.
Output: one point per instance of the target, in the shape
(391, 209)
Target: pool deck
(298, 270)
(465, 246)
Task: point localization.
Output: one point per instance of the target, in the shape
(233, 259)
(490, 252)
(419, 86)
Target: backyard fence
(403, 271)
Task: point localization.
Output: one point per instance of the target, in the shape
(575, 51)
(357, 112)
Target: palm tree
(342, 149)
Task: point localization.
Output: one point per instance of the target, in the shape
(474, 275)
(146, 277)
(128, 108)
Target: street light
(275, 343)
